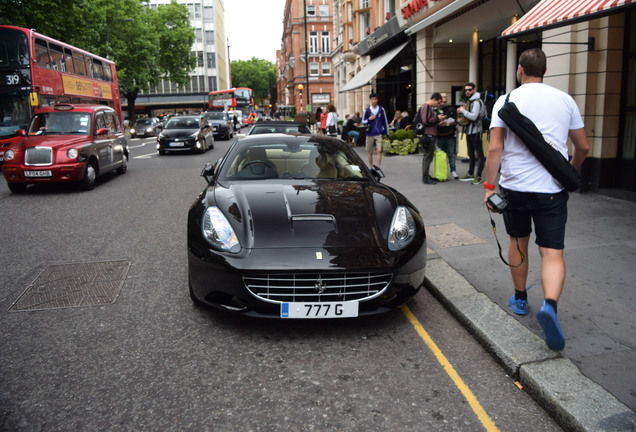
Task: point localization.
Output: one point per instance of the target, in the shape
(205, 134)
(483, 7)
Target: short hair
(470, 84)
(533, 62)
(436, 96)
(373, 95)
(331, 108)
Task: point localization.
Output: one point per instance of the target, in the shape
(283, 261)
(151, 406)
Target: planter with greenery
(401, 142)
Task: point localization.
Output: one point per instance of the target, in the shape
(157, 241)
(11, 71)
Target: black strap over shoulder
(551, 158)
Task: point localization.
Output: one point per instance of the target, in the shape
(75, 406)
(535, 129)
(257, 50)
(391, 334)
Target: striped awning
(553, 13)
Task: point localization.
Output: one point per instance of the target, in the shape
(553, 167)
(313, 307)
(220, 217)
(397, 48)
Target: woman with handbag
(332, 121)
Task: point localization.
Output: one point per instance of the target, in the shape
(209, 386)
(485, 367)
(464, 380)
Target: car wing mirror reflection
(208, 172)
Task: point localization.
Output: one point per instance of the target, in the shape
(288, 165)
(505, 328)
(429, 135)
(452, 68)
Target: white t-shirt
(555, 113)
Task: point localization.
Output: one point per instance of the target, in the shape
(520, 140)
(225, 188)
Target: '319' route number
(13, 79)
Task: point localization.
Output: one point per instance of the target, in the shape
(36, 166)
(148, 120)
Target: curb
(576, 402)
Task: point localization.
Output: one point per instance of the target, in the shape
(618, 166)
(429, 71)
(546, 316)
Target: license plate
(319, 310)
(44, 173)
(177, 144)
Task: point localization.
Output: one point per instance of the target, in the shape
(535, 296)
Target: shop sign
(410, 12)
(384, 34)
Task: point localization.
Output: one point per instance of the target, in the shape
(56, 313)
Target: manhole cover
(74, 285)
(451, 235)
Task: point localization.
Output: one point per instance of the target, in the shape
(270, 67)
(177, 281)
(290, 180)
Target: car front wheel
(124, 165)
(90, 177)
(17, 187)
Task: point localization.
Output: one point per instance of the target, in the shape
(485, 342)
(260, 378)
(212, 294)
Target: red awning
(554, 13)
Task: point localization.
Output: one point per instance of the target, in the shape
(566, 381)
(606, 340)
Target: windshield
(144, 122)
(61, 123)
(288, 129)
(15, 112)
(283, 159)
(183, 123)
(14, 49)
(215, 116)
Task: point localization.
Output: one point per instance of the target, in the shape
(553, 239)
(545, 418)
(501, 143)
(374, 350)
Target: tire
(90, 177)
(17, 187)
(162, 152)
(124, 165)
(212, 144)
(203, 147)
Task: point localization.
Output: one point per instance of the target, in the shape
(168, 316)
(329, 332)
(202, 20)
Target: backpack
(486, 117)
(418, 126)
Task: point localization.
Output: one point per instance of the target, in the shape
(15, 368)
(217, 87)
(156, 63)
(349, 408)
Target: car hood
(54, 141)
(217, 122)
(314, 214)
(178, 133)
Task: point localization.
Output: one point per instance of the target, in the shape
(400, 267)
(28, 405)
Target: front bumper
(68, 172)
(217, 279)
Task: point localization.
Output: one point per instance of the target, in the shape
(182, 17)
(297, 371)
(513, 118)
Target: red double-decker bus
(38, 71)
(239, 98)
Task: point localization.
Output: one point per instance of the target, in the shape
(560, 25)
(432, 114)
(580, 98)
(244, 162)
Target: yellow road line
(468, 394)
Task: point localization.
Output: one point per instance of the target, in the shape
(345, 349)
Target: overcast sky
(254, 28)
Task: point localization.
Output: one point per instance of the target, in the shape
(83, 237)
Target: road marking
(468, 394)
(146, 156)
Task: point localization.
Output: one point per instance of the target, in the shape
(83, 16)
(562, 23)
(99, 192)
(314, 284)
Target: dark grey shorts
(548, 211)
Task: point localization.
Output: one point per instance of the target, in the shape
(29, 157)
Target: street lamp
(108, 34)
(300, 90)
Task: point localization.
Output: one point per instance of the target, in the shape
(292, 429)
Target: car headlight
(149, 129)
(132, 131)
(402, 231)
(194, 135)
(9, 155)
(218, 231)
(72, 153)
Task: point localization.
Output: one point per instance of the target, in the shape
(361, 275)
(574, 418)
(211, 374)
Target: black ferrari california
(296, 226)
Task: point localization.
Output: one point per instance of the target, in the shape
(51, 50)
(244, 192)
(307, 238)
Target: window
(313, 42)
(197, 10)
(100, 122)
(42, 54)
(199, 34)
(68, 61)
(326, 68)
(200, 58)
(99, 69)
(108, 73)
(211, 60)
(208, 13)
(209, 37)
(364, 4)
(57, 58)
(311, 10)
(325, 42)
(80, 66)
(314, 68)
(89, 66)
(324, 10)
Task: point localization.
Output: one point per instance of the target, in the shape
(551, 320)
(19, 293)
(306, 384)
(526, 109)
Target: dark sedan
(296, 226)
(288, 127)
(149, 126)
(185, 133)
(222, 125)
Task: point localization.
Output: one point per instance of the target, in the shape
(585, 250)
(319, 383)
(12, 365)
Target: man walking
(375, 116)
(473, 133)
(430, 119)
(446, 133)
(532, 193)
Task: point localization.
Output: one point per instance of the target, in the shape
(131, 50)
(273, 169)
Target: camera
(497, 203)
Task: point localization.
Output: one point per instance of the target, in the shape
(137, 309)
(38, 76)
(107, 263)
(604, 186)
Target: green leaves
(257, 74)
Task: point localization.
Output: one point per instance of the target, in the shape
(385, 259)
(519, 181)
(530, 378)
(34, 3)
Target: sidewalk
(591, 384)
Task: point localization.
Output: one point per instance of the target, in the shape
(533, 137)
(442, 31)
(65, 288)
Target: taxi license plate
(347, 309)
(43, 173)
(177, 144)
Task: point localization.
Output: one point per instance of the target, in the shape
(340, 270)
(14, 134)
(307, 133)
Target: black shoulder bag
(552, 159)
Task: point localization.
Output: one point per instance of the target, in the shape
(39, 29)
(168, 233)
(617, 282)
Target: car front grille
(38, 156)
(317, 287)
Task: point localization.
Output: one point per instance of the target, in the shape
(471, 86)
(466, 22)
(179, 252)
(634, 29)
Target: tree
(257, 74)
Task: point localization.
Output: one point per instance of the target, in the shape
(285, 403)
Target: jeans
(447, 144)
(355, 135)
(473, 141)
(428, 149)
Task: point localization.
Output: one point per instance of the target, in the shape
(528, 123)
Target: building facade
(305, 58)
(407, 49)
(212, 69)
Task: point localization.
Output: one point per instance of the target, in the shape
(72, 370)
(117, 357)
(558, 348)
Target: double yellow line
(450, 370)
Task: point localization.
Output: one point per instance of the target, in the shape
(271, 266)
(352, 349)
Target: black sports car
(266, 127)
(296, 226)
(185, 133)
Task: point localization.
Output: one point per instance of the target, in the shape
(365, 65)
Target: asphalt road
(151, 360)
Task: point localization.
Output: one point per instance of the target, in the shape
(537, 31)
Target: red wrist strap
(489, 186)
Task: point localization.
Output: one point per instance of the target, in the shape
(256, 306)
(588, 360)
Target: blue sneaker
(520, 307)
(551, 329)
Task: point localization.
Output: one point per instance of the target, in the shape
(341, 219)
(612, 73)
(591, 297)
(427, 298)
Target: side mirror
(377, 173)
(102, 131)
(208, 172)
(21, 132)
